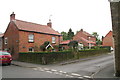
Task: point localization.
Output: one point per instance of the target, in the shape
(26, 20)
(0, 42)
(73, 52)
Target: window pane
(31, 49)
(53, 39)
(31, 38)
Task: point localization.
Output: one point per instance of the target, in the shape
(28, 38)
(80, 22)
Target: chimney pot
(49, 23)
(12, 16)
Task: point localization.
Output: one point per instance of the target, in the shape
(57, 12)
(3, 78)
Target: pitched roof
(86, 33)
(65, 42)
(29, 26)
(110, 32)
(83, 39)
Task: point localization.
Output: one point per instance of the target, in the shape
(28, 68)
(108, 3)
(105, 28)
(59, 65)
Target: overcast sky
(90, 15)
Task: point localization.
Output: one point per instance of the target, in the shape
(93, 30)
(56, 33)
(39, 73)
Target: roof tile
(29, 26)
(65, 42)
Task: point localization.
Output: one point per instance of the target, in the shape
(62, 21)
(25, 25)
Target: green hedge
(45, 57)
(52, 57)
(91, 52)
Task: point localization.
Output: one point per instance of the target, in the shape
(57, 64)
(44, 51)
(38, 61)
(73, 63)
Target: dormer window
(31, 38)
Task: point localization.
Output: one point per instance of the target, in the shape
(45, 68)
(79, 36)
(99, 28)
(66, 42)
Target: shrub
(43, 46)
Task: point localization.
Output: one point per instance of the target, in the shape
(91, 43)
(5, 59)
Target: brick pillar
(115, 14)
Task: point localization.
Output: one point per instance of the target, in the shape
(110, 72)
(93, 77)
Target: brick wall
(115, 14)
(39, 39)
(12, 44)
(108, 40)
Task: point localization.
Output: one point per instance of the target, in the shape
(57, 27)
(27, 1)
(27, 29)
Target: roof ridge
(31, 22)
(29, 26)
(87, 33)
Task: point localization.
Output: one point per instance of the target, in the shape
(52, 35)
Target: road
(83, 69)
(22, 72)
(89, 67)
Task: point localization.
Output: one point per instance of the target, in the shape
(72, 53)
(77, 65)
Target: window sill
(53, 43)
(30, 42)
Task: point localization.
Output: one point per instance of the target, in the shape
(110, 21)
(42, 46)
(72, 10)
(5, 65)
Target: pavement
(107, 72)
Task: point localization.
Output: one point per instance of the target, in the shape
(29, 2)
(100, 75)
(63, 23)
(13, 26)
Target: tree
(96, 35)
(98, 42)
(73, 44)
(64, 34)
(70, 34)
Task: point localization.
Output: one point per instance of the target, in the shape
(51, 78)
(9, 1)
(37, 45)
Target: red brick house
(85, 38)
(23, 36)
(108, 40)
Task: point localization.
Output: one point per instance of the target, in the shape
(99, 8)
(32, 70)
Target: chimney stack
(49, 23)
(81, 30)
(12, 16)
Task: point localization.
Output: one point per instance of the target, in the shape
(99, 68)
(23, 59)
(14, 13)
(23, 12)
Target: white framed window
(53, 40)
(31, 38)
(31, 49)
(6, 40)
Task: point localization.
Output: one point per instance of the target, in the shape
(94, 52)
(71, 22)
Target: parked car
(5, 58)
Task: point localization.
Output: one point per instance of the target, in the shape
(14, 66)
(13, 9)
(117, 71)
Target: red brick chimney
(49, 23)
(12, 16)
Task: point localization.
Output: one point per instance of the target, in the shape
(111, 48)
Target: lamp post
(89, 43)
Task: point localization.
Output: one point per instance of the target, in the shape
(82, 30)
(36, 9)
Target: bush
(43, 46)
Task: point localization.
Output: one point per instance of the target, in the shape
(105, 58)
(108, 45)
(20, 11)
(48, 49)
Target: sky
(89, 15)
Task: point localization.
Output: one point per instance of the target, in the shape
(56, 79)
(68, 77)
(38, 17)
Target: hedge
(53, 57)
(91, 52)
(45, 57)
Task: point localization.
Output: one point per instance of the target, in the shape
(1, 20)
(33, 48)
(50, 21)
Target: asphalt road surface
(89, 67)
(82, 69)
(22, 72)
